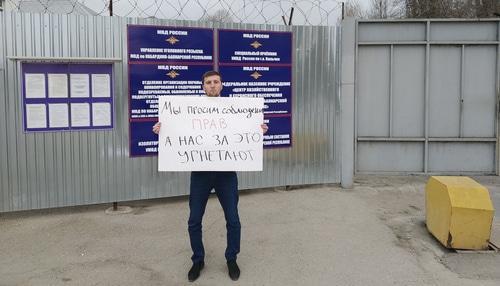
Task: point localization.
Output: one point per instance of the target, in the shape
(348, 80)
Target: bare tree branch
(385, 9)
(451, 8)
(221, 16)
(354, 9)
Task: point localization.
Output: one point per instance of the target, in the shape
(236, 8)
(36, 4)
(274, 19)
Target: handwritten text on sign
(210, 133)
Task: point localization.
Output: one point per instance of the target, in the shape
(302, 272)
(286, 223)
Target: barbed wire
(301, 12)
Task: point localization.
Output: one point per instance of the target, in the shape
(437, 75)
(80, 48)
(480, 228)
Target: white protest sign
(210, 133)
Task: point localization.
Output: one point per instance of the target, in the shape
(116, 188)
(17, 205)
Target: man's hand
(263, 126)
(157, 127)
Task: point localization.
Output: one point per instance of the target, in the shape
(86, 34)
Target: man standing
(225, 185)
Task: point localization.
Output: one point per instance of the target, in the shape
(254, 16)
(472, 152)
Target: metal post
(343, 10)
(462, 87)
(391, 74)
(497, 147)
(426, 96)
(110, 7)
(347, 104)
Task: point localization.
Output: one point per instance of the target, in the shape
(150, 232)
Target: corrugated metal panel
(4, 164)
(42, 170)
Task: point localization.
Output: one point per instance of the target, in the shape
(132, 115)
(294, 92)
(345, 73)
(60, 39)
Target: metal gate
(426, 96)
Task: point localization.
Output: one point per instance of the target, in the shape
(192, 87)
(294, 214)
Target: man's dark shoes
(194, 272)
(234, 270)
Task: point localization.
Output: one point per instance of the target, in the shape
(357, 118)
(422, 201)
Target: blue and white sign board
(279, 133)
(162, 61)
(170, 61)
(269, 82)
(170, 44)
(210, 134)
(261, 47)
(258, 64)
(149, 82)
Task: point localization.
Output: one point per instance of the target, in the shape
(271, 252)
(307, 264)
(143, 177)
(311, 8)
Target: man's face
(212, 85)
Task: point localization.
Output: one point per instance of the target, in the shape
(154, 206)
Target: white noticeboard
(58, 115)
(101, 85)
(210, 133)
(79, 85)
(35, 85)
(80, 115)
(58, 85)
(36, 116)
(101, 114)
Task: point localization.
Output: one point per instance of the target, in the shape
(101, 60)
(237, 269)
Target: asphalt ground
(373, 234)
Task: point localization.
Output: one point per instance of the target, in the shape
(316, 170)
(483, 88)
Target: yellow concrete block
(459, 212)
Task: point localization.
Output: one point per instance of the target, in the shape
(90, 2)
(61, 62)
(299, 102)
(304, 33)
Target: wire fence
(285, 12)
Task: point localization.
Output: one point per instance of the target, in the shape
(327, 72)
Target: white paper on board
(101, 114)
(58, 85)
(101, 85)
(80, 115)
(210, 134)
(36, 116)
(58, 115)
(35, 85)
(80, 85)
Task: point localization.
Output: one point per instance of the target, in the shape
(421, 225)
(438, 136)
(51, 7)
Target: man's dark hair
(210, 73)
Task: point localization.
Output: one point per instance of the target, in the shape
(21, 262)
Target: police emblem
(172, 40)
(256, 75)
(172, 74)
(256, 45)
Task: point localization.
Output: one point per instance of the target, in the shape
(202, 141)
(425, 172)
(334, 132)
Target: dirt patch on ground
(400, 204)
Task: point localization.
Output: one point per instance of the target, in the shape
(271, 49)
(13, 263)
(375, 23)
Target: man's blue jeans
(226, 188)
